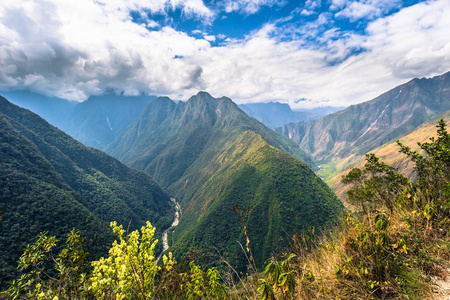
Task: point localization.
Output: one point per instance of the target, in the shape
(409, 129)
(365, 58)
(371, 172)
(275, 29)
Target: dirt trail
(443, 287)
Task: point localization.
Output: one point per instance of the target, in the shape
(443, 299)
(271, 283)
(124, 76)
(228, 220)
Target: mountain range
(212, 157)
(94, 122)
(389, 153)
(97, 121)
(239, 183)
(363, 127)
(206, 152)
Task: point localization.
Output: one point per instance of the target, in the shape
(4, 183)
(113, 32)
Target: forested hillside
(50, 182)
(277, 195)
(168, 138)
(395, 242)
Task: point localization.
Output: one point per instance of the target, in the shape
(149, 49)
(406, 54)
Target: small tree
(67, 280)
(376, 185)
(130, 272)
(130, 269)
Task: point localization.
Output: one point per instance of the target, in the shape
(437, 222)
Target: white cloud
(210, 38)
(123, 7)
(358, 10)
(249, 6)
(74, 49)
(370, 9)
(418, 40)
(336, 4)
(412, 43)
(310, 7)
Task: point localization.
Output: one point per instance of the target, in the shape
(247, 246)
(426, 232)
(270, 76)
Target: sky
(309, 53)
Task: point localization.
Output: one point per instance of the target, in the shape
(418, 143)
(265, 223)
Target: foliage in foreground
(129, 272)
(389, 247)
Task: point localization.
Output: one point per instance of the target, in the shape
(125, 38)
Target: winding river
(174, 223)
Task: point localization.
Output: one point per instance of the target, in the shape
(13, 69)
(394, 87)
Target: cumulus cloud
(249, 6)
(346, 70)
(310, 7)
(74, 49)
(370, 9)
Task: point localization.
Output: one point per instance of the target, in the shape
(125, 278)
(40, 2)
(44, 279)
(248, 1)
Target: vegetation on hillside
(387, 249)
(283, 193)
(390, 247)
(211, 156)
(169, 139)
(387, 152)
(130, 271)
(50, 182)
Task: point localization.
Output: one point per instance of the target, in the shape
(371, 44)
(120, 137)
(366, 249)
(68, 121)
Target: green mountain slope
(168, 140)
(211, 156)
(50, 182)
(285, 195)
(363, 127)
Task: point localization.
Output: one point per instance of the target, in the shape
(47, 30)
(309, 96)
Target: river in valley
(174, 223)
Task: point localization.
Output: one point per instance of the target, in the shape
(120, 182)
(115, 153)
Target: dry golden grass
(330, 252)
(388, 152)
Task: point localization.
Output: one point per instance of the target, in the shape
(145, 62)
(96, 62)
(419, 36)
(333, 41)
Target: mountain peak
(201, 96)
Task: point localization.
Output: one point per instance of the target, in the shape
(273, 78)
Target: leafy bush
(129, 272)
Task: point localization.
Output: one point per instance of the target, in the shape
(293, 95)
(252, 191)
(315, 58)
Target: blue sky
(306, 53)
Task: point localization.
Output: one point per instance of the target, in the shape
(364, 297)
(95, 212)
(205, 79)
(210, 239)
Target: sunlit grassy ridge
(389, 153)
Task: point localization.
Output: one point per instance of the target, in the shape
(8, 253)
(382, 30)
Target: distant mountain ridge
(275, 114)
(164, 124)
(54, 110)
(51, 182)
(211, 156)
(97, 121)
(365, 126)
